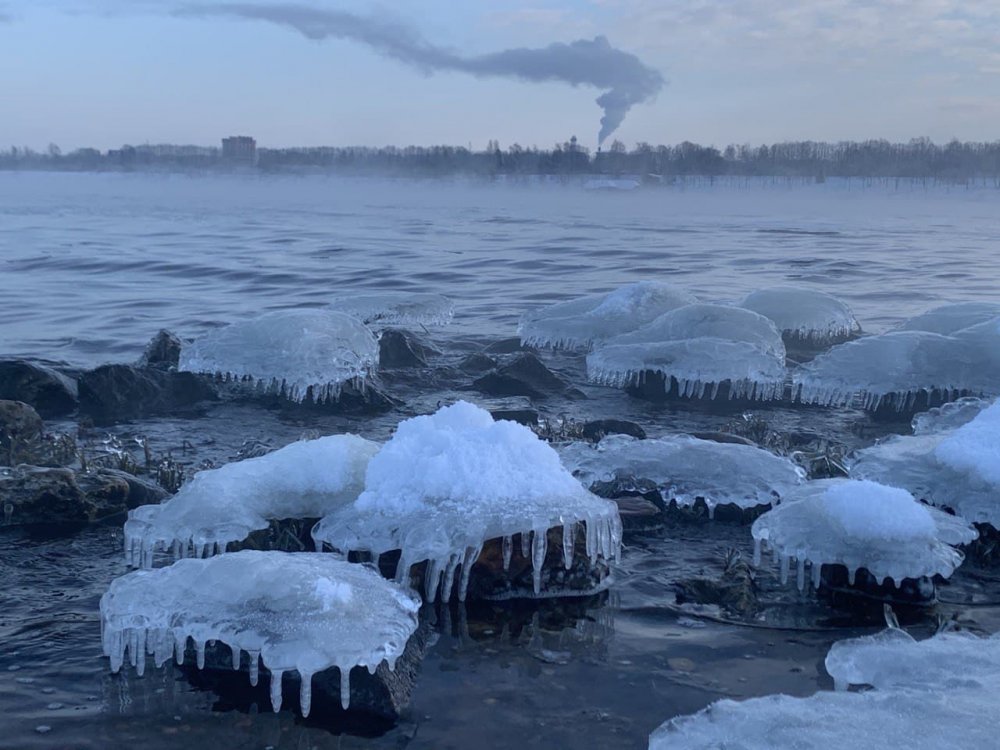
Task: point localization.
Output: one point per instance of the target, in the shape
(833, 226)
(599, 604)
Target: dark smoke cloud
(594, 62)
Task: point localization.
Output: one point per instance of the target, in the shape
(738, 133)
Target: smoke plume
(625, 79)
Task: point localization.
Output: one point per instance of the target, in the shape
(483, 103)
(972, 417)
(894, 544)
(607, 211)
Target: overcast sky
(108, 72)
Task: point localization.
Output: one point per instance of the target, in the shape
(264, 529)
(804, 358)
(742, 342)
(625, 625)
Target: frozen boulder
(860, 524)
(305, 611)
(448, 482)
(304, 480)
(296, 353)
(684, 469)
(804, 316)
(381, 309)
(580, 323)
(950, 319)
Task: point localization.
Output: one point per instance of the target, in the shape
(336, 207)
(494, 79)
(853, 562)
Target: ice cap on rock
(807, 315)
(397, 308)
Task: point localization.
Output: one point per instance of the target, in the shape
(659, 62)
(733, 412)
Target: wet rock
(140, 491)
(113, 393)
(507, 346)
(598, 428)
(51, 393)
(477, 363)
(527, 417)
(20, 426)
(162, 352)
(106, 489)
(525, 375)
(400, 349)
(638, 513)
(32, 494)
(735, 591)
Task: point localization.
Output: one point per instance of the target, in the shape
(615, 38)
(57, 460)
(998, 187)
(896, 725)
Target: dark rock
(735, 591)
(114, 393)
(400, 349)
(31, 494)
(477, 363)
(108, 490)
(507, 346)
(866, 590)
(162, 352)
(141, 491)
(724, 437)
(638, 513)
(51, 393)
(527, 417)
(20, 426)
(523, 376)
(598, 428)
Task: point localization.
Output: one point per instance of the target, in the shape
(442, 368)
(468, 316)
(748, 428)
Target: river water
(92, 265)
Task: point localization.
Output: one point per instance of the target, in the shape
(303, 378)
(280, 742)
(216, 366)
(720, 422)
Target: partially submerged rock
(400, 349)
(51, 393)
(20, 426)
(163, 351)
(119, 392)
(525, 375)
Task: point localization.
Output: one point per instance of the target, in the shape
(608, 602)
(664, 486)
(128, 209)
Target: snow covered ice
(860, 524)
(291, 352)
(950, 319)
(806, 316)
(932, 694)
(290, 611)
(397, 308)
(684, 468)
(306, 479)
(448, 482)
(582, 322)
(701, 346)
(953, 461)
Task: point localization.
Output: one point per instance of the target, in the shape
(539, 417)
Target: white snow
(684, 469)
(807, 315)
(579, 323)
(306, 479)
(949, 319)
(304, 611)
(397, 308)
(448, 482)
(288, 352)
(932, 694)
(860, 524)
(974, 448)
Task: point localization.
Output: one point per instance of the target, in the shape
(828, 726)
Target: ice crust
(932, 694)
(290, 352)
(806, 315)
(306, 479)
(582, 322)
(974, 448)
(948, 416)
(860, 524)
(448, 482)
(397, 308)
(950, 319)
(303, 611)
(683, 469)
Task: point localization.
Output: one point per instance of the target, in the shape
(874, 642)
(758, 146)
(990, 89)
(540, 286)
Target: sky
(103, 73)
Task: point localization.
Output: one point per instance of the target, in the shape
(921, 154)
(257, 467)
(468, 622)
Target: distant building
(239, 149)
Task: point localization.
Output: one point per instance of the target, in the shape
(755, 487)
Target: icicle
(199, 649)
(590, 539)
(117, 650)
(471, 555)
(539, 546)
(345, 687)
(199, 550)
(508, 551)
(817, 570)
(139, 657)
(175, 549)
(305, 693)
(276, 689)
(236, 656)
(525, 544)
(180, 643)
(254, 667)
(711, 510)
(800, 573)
(568, 542)
(133, 645)
(756, 552)
(402, 568)
(785, 561)
(432, 579)
(449, 578)
(851, 573)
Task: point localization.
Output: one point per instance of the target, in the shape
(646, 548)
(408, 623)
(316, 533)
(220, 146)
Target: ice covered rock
(949, 319)
(684, 469)
(303, 611)
(397, 308)
(860, 524)
(805, 316)
(956, 467)
(448, 482)
(931, 694)
(296, 353)
(948, 416)
(580, 323)
(306, 479)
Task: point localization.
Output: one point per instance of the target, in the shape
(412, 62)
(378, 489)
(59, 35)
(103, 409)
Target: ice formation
(448, 482)
(949, 319)
(307, 479)
(304, 611)
(948, 416)
(291, 352)
(397, 308)
(949, 463)
(804, 315)
(684, 469)
(860, 524)
(928, 695)
(891, 368)
(580, 323)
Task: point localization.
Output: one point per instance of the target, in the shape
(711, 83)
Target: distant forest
(918, 159)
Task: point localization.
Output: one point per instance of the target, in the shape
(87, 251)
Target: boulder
(525, 375)
(20, 426)
(32, 494)
(162, 352)
(113, 393)
(400, 349)
(51, 393)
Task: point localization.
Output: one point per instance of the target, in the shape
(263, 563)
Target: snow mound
(303, 611)
(953, 467)
(804, 315)
(949, 319)
(307, 479)
(890, 368)
(580, 323)
(397, 308)
(931, 694)
(448, 482)
(860, 524)
(684, 469)
(296, 353)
